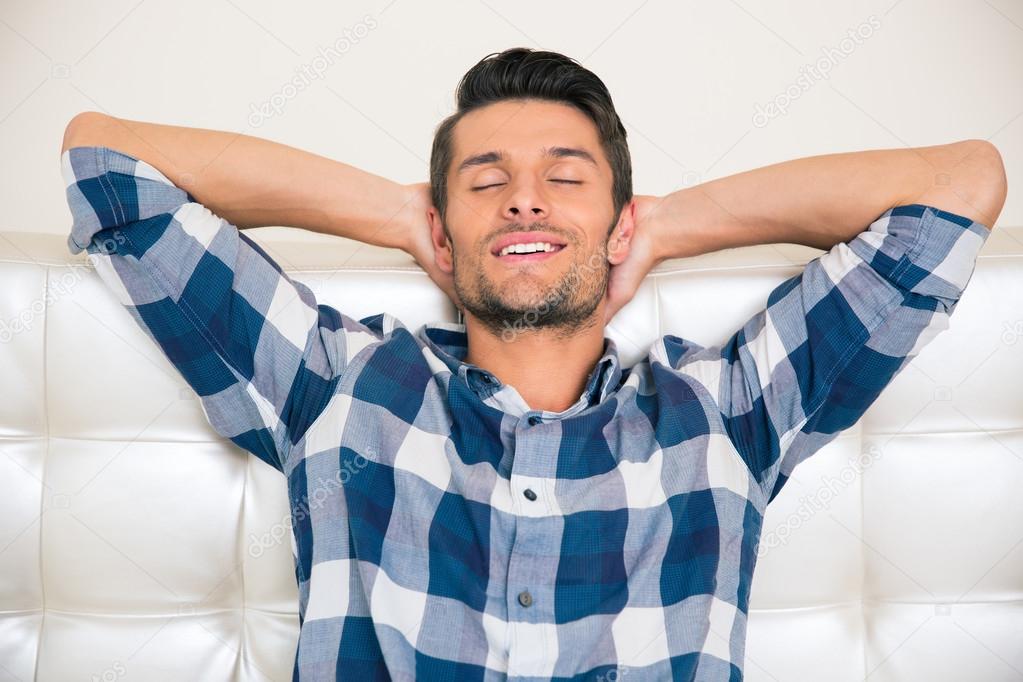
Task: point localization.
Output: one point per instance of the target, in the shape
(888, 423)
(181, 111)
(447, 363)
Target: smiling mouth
(536, 256)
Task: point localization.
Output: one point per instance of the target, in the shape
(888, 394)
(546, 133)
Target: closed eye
(497, 184)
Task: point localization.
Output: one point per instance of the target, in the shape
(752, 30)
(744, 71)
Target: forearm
(253, 182)
(821, 200)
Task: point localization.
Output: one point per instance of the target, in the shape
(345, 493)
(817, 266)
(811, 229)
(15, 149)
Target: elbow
(966, 178)
(1000, 183)
(84, 129)
(985, 182)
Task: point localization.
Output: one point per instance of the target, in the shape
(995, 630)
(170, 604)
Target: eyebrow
(547, 153)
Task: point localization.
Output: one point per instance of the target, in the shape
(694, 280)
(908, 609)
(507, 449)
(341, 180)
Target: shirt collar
(450, 342)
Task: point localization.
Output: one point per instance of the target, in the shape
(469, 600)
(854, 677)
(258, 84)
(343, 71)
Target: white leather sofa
(136, 543)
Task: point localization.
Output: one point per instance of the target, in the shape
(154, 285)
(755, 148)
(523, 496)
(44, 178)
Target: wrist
(397, 225)
(652, 218)
(413, 219)
(683, 224)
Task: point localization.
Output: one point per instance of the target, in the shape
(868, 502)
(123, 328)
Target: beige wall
(688, 80)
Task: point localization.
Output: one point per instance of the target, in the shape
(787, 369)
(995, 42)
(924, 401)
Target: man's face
(511, 176)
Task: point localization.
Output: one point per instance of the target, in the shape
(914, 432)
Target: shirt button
(534, 420)
(530, 495)
(525, 598)
(487, 379)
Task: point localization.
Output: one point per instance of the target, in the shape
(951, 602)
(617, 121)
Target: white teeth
(527, 248)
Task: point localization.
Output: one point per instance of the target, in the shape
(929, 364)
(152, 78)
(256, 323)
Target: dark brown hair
(522, 73)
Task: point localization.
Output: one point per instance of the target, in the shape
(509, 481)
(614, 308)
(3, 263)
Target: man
(517, 504)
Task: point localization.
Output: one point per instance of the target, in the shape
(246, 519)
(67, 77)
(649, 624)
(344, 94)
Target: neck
(548, 367)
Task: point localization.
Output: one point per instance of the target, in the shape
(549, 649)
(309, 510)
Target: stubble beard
(525, 304)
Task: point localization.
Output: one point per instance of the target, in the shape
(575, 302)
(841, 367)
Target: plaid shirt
(444, 530)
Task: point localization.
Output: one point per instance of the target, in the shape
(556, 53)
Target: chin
(527, 290)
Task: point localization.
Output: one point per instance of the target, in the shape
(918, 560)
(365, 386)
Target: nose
(526, 203)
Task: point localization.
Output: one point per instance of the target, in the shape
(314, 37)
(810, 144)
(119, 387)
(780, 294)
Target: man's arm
(831, 338)
(252, 182)
(821, 200)
(263, 355)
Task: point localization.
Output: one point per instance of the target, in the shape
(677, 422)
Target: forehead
(523, 129)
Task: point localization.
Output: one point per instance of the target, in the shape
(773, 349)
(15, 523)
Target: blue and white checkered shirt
(445, 531)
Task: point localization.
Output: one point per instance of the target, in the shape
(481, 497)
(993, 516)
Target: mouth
(527, 247)
(536, 256)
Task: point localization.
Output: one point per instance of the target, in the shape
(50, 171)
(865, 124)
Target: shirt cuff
(106, 189)
(923, 250)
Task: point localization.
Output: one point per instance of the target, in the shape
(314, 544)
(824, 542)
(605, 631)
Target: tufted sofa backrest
(136, 543)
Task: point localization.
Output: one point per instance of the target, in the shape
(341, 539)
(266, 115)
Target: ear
(441, 246)
(620, 238)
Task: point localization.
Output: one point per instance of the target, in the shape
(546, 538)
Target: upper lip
(526, 238)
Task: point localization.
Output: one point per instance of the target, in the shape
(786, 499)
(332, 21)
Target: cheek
(463, 250)
(589, 221)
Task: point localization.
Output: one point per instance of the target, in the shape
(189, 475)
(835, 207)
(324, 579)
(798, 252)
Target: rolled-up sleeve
(831, 338)
(260, 352)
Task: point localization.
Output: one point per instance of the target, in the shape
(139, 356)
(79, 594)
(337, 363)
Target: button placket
(529, 589)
